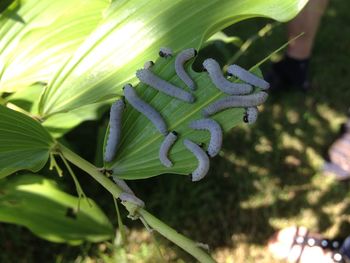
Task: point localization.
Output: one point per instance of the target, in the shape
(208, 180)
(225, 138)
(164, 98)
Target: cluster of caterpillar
(240, 95)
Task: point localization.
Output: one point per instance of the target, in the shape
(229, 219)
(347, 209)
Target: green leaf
(24, 143)
(58, 124)
(38, 204)
(134, 31)
(37, 37)
(28, 98)
(138, 152)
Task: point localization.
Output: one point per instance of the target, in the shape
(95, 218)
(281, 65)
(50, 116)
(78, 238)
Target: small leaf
(137, 154)
(38, 204)
(27, 99)
(135, 30)
(58, 124)
(24, 143)
(221, 36)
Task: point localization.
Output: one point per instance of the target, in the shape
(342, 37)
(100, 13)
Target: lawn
(266, 177)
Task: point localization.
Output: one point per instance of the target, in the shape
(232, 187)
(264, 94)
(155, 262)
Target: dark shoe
(296, 244)
(289, 73)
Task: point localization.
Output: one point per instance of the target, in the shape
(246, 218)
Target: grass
(267, 176)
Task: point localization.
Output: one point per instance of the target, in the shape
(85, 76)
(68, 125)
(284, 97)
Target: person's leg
(292, 70)
(307, 22)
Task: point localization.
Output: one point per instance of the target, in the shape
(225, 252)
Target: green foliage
(78, 54)
(24, 143)
(37, 203)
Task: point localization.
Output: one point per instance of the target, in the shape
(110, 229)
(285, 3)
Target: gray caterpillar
(168, 141)
(115, 122)
(203, 160)
(146, 109)
(221, 82)
(215, 134)
(242, 74)
(180, 60)
(251, 115)
(165, 52)
(148, 77)
(245, 101)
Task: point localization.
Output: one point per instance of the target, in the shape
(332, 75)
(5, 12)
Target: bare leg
(307, 21)
(292, 70)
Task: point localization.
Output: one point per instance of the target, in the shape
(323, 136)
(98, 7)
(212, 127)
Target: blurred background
(267, 176)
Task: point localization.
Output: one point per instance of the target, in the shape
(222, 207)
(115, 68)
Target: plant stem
(163, 229)
(120, 223)
(90, 169)
(180, 240)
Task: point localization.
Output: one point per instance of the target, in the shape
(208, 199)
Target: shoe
(289, 73)
(297, 244)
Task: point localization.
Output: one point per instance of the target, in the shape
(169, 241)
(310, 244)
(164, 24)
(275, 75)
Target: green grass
(267, 176)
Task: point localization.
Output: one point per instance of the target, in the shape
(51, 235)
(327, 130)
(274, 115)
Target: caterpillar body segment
(122, 184)
(246, 76)
(251, 115)
(215, 134)
(165, 147)
(202, 157)
(148, 77)
(226, 86)
(180, 60)
(115, 122)
(148, 64)
(244, 101)
(144, 108)
(127, 197)
(165, 52)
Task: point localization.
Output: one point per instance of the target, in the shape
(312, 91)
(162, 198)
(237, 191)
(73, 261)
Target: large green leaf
(37, 37)
(134, 31)
(38, 204)
(138, 153)
(24, 143)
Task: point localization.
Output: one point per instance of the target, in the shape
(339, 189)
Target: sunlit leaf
(38, 204)
(138, 153)
(58, 124)
(37, 37)
(24, 143)
(134, 31)
(28, 98)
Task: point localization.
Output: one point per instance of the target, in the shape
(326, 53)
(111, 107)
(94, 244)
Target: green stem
(275, 52)
(90, 169)
(79, 189)
(163, 229)
(185, 243)
(120, 223)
